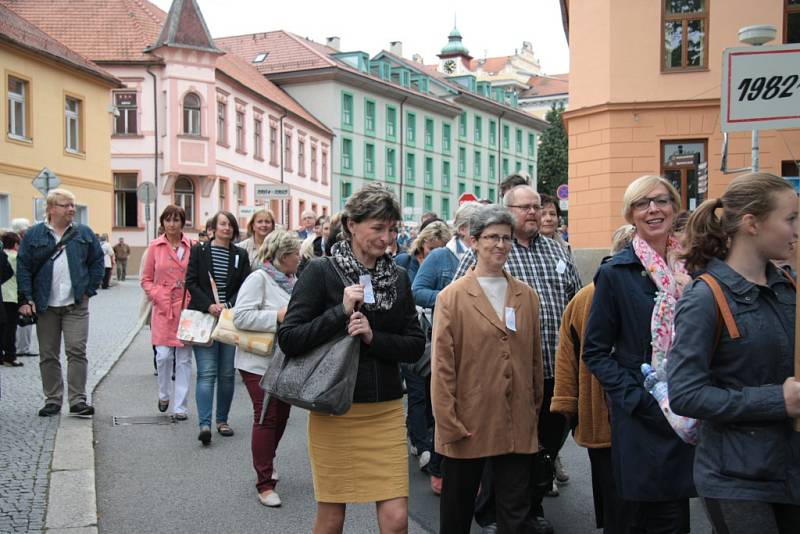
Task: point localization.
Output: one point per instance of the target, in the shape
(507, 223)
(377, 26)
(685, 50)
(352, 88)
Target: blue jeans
(419, 420)
(214, 364)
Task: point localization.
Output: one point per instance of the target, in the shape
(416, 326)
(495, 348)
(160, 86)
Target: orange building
(644, 98)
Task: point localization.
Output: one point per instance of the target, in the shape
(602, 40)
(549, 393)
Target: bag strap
(342, 277)
(66, 237)
(789, 277)
(724, 314)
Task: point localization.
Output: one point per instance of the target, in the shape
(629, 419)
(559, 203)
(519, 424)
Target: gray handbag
(322, 379)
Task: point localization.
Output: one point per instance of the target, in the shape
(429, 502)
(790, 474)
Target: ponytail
(705, 236)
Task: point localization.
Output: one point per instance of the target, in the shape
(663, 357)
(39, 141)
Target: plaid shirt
(548, 269)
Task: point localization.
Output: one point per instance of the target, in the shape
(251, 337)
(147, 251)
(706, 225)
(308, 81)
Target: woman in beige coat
(486, 381)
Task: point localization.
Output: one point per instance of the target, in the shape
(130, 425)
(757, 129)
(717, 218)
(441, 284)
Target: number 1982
(767, 89)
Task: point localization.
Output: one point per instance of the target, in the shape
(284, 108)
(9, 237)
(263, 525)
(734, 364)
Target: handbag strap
(342, 277)
(66, 237)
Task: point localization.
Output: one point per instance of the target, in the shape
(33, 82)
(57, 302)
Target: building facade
(645, 99)
(55, 115)
(429, 136)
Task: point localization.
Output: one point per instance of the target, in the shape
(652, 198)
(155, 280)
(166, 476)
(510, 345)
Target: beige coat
(486, 380)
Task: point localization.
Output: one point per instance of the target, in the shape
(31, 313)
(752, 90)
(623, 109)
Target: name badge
(511, 319)
(369, 295)
(236, 262)
(561, 266)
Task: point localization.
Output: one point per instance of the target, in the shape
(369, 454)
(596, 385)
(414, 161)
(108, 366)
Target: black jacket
(201, 263)
(315, 315)
(650, 461)
(6, 273)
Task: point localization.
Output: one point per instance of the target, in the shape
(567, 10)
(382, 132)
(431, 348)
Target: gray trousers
(73, 322)
(122, 269)
(729, 516)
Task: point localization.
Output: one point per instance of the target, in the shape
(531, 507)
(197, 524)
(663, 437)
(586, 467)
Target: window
(445, 211)
(126, 206)
(506, 135)
(428, 133)
(791, 21)
(492, 133)
(791, 172)
(390, 164)
(347, 111)
(127, 114)
(222, 128)
(476, 189)
(287, 151)
(410, 201)
(241, 194)
(518, 140)
(490, 195)
(476, 164)
(492, 167)
(427, 202)
(18, 108)
(530, 171)
(313, 161)
(345, 192)
(517, 166)
(347, 155)
(273, 144)
(478, 129)
(411, 168)
(462, 125)
(240, 131)
(369, 160)
(257, 151)
(324, 168)
(679, 165)
(301, 157)
(260, 57)
(411, 128)
(462, 188)
(531, 144)
(446, 176)
(369, 117)
(684, 34)
(184, 197)
(428, 172)
(505, 167)
(391, 123)
(72, 115)
(462, 161)
(5, 211)
(191, 114)
(223, 194)
(446, 138)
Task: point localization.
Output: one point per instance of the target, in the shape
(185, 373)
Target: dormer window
(260, 57)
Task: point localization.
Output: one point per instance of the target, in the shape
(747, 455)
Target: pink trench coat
(162, 281)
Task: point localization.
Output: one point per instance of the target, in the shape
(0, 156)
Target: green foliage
(553, 149)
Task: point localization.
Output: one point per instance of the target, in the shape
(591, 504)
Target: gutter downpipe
(497, 140)
(155, 153)
(283, 201)
(402, 158)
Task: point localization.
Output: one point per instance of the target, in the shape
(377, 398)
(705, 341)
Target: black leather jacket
(315, 315)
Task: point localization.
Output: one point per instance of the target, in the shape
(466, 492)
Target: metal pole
(755, 154)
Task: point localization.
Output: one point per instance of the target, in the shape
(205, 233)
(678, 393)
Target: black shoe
(163, 405)
(81, 409)
(13, 363)
(542, 526)
(205, 435)
(50, 409)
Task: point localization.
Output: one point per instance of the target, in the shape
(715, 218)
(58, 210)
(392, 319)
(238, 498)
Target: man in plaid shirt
(543, 264)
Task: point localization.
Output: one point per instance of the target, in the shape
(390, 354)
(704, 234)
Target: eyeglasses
(526, 207)
(644, 204)
(495, 239)
(65, 206)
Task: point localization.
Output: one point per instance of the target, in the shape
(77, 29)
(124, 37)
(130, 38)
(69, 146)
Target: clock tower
(454, 58)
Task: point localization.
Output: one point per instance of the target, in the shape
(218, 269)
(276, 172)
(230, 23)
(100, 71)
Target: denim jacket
(746, 448)
(84, 256)
(438, 270)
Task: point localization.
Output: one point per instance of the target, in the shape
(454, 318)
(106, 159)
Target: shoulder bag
(253, 341)
(195, 327)
(322, 379)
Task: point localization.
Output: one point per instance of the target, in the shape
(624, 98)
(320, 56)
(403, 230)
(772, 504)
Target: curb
(71, 494)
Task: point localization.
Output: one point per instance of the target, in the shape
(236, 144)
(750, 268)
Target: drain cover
(142, 420)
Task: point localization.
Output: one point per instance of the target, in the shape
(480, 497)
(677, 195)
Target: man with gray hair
(541, 263)
(308, 218)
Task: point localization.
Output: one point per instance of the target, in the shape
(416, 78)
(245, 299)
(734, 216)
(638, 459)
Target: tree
(553, 148)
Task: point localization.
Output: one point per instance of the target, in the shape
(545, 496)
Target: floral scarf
(384, 277)
(284, 281)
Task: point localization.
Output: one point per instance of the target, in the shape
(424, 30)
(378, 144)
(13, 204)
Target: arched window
(191, 114)
(184, 197)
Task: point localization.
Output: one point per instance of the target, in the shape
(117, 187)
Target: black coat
(6, 273)
(651, 463)
(315, 315)
(201, 263)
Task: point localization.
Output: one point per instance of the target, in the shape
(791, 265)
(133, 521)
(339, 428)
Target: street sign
(702, 178)
(265, 191)
(466, 197)
(562, 192)
(146, 193)
(760, 88)
(45, 181)
(247, 211)
(563, 205)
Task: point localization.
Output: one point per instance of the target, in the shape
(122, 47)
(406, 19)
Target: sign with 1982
(760, 88)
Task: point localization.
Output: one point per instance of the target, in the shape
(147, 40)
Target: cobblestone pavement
(26, 440)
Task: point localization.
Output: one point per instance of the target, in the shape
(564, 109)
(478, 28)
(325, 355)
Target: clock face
(449, 66)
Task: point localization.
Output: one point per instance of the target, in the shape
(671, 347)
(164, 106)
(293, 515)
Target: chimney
(417, 59)
(396, 48)
(334, 42)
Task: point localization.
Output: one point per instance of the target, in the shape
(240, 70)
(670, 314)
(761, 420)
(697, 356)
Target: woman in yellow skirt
(360, 456)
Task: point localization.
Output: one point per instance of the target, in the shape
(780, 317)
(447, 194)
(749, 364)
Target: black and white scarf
(384, 276)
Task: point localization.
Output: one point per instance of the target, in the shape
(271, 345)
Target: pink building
(203, 126)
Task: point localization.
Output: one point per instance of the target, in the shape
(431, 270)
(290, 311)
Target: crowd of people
(673, 368)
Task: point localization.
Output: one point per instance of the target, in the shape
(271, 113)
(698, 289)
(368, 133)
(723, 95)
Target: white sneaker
(561, 473)
(424, 459)
(271, 499)
(412, 449)
(275, 476)
(554, 491)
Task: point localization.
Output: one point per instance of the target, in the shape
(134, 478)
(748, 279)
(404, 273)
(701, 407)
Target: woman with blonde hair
(630, 323)
(435, 235)
(261, 223)
(737, 377)
(261, 306)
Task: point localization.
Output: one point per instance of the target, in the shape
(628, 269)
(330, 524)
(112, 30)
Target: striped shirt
(548, 269)
(220, 257)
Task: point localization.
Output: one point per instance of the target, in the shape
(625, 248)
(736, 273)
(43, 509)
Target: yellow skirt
(360, 456)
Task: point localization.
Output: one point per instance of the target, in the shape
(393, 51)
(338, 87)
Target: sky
(488, 29)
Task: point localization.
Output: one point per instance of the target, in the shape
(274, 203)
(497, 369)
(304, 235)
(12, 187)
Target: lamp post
(756, 36)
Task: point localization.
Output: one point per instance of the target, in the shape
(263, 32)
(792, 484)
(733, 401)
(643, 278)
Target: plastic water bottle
(656, 386)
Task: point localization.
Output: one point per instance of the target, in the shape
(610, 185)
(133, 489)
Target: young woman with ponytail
(739, 384)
